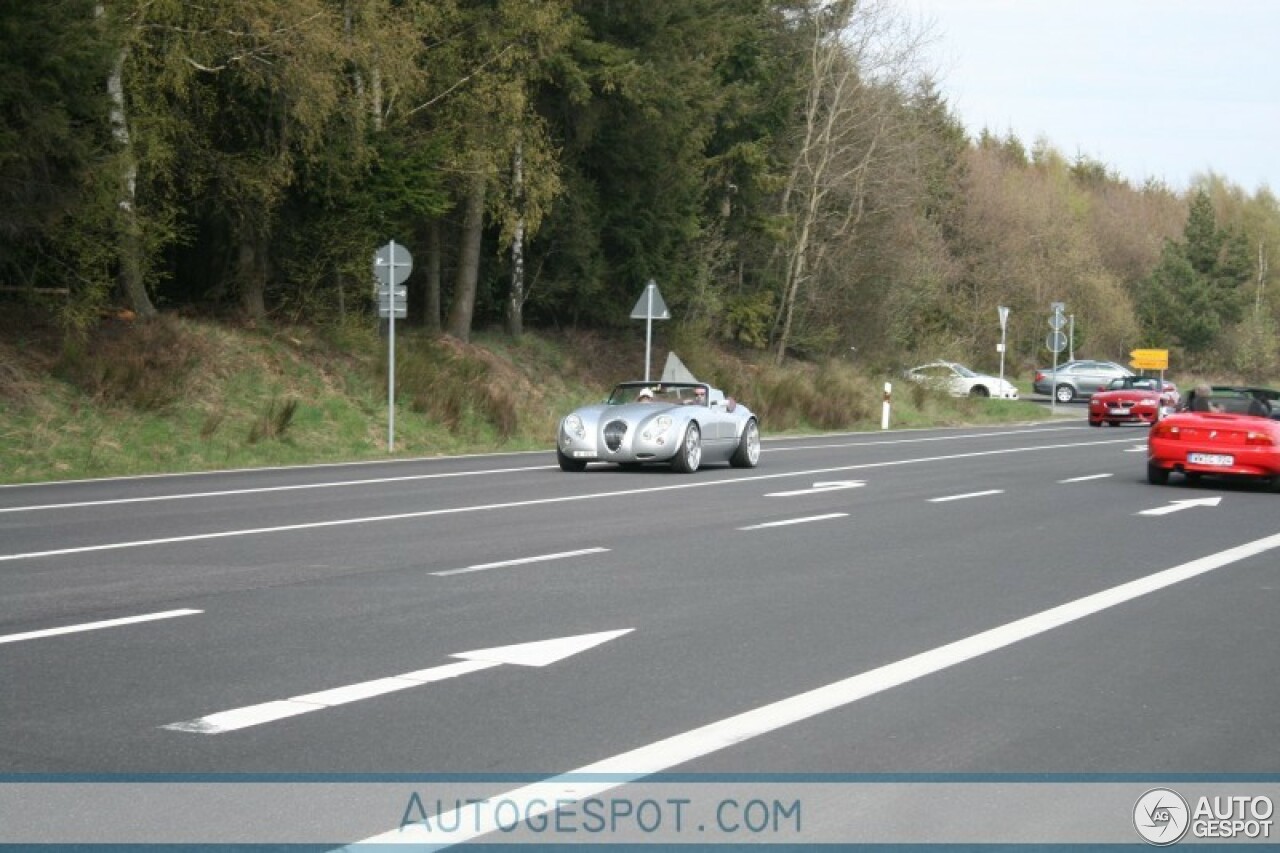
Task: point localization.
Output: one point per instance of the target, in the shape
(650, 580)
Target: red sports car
(1232, 432)
(1131, 399)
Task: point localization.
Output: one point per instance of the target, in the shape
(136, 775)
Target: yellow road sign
(1149, 359)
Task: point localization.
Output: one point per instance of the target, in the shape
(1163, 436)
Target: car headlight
(573, 426)
(657, 428)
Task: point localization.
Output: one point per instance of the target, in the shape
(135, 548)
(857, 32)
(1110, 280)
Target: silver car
(685, 424)
(1080, 378)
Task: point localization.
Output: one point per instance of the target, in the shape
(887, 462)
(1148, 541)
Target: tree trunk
(251, 274)
(515, 299)
(464, 291)
(435, 261)
(128, 229)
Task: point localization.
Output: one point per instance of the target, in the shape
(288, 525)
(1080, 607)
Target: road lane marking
(519, 562)
(1084, 478)
(267, 489)
(542, 797)
(966, 496)
(1178, 506)
(539, 653)
(369, 462)
(94, 626)
(428, 513)
(788, 521)
(819, 488)
(890, 441)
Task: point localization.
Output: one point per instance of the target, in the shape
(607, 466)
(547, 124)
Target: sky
(1163, 89)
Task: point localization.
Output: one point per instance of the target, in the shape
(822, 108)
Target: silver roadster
(683, 423)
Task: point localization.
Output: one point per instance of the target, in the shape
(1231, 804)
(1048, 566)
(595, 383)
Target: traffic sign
(1149, 359)
(392, 264)
(1056, 341)
(390, 298)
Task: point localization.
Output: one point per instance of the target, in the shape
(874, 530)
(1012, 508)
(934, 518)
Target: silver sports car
(683, 423)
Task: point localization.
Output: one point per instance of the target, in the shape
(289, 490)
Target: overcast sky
(1152, 88)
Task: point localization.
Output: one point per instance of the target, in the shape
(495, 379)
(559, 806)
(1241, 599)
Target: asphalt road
(830, 612)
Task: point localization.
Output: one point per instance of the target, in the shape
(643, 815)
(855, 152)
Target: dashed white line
(966, 496)
(519, 562)
(1086, 477)
(795, 521)
(94, 626)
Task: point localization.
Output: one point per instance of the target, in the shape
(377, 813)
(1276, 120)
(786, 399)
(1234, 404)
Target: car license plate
(1219, 459)
(1119, 410)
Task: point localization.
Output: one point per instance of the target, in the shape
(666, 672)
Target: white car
(959, 381)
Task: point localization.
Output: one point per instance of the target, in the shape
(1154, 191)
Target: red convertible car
(1131, 399)
(1233, 432)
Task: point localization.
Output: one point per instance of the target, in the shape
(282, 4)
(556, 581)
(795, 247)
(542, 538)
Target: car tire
(689, 454)
(1064, 393)
(748, 453)
(1156, 475)
(573, 466)
(979, 391)
(1095, 423)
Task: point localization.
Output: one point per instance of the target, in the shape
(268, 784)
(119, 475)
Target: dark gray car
(1077, 379)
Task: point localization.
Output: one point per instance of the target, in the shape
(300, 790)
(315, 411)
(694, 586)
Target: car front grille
(614, 432)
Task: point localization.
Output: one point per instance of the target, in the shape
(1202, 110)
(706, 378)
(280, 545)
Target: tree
(857, 58)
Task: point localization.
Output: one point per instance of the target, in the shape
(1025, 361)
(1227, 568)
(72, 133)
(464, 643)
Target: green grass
(186, 396)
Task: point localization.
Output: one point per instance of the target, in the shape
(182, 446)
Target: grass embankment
(179, 395)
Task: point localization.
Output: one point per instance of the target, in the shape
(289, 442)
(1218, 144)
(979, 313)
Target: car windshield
(963, 371)
(668, 393)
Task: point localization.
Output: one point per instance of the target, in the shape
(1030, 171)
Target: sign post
(1152, 359)
(649, 307)
(391, 266)
(1003, 311)
(1056, 342)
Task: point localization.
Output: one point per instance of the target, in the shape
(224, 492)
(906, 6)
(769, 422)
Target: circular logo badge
(1161, 816)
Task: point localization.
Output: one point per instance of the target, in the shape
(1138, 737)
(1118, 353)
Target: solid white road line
(1087, 477)
(266, 489)
(518, 562)
(795, 521)
(966, 496)
(542, 797)
(404, 516)
(94, 626)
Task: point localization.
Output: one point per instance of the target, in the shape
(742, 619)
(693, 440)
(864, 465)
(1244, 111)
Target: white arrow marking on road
(791, 521)
(1176, 506)
(519, 562)
(966, 497)
(820, 487)
(539, 653)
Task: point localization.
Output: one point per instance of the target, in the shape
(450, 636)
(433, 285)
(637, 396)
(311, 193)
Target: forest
(789, 172)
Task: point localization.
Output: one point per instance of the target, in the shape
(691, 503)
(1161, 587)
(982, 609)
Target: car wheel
(569, 464)
(1095, 423)
(748, 453)
(689, 454)
(1064, 393)
(1156, 475)
(979, 391)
